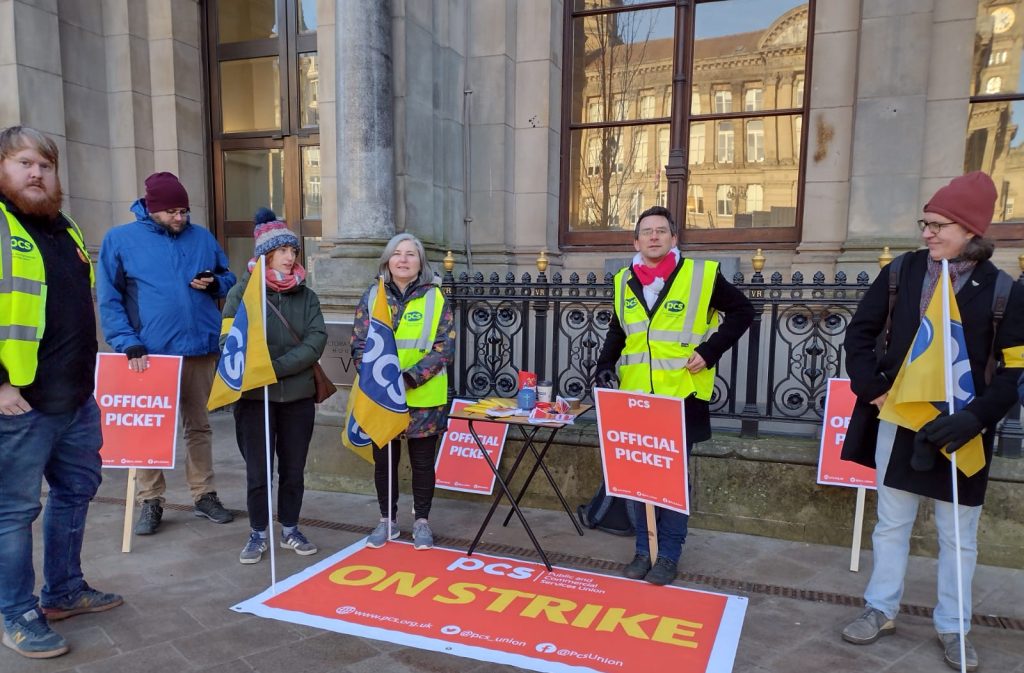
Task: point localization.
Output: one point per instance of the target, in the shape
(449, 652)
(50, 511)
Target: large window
(993, 143)
(264, 87)
(731, 74)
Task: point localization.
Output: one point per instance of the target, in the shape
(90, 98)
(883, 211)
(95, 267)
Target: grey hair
(978, 249)
(426, 270)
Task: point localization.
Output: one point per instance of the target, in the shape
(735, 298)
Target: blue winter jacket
(142, 285)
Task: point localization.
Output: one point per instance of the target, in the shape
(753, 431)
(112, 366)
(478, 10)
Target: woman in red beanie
(909, 467)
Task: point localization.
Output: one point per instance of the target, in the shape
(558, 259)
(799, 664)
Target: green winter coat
(293, 362)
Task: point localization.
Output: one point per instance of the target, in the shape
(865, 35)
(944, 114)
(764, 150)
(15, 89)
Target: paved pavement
(179, 584)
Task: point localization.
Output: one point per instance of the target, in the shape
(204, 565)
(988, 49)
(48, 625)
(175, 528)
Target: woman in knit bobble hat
(910, 468)
(291, 404)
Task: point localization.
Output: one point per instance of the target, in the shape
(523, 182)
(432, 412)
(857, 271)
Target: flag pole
(261, 267)
(947, 363)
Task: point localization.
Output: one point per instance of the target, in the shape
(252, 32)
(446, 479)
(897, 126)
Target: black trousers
(291, 429)
(421, 460)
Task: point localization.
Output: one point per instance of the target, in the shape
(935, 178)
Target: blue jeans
(897, 511)
(672, 525)
(64, 448)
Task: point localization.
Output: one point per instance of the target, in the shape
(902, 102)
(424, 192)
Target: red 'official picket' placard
(138, 411)
(839, 400)
(643, 447)
(460, 465)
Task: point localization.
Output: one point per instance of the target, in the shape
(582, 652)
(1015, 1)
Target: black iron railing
(774, 381)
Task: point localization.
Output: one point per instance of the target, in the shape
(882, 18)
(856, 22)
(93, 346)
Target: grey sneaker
(149, 517)
(30, 636)
(638, 567)
(380, 534)
(87, 600)
(422, 536)
(253, 550)
(869, 627)
(209, 506)
(297, 542)
(951, 644)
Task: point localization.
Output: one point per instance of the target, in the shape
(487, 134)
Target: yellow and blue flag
(377, 408)
(245, 359)
(918, 394)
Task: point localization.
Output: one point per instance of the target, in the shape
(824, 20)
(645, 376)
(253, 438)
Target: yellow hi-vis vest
(657, 348)
(23, 296)
(415, 337)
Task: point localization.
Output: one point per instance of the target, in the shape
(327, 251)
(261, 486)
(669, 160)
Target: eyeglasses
(661, 231)
(178, 212)
(934, 227)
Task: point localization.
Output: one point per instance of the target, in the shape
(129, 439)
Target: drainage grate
(586, 563)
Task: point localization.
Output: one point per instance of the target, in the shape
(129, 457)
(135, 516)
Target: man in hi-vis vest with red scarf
(674, 319)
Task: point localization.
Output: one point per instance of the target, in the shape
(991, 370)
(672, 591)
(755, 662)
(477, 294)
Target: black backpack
(607, 513)
(1000, 298)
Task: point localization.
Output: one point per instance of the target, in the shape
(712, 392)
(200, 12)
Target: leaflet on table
(547, 416)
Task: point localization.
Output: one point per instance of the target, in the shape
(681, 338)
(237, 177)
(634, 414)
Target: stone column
(364, 152)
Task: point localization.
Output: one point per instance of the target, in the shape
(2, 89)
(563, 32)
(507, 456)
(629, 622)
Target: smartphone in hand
(204, 275)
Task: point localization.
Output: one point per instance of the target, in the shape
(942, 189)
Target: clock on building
(1002, 19)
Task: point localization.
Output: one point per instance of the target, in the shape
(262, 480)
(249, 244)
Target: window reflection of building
(622, 59)
(997, 101)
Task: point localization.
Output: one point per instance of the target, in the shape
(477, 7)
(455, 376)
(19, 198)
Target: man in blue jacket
(158, 283)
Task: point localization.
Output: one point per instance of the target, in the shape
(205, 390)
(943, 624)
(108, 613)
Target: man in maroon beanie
(158, 283)
(910, 469)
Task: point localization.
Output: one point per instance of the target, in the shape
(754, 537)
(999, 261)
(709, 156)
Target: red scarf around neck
(646, 274)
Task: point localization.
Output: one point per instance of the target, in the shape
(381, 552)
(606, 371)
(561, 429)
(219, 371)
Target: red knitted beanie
(969, 200)
(164, 191)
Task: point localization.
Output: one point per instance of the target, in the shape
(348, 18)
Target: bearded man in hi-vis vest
(663, 338)
(49, 421)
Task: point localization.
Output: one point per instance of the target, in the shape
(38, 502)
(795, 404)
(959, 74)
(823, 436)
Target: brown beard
(47, 205)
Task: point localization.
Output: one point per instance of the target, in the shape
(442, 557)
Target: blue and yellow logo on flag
(918, 394)
(245, 359)
(377, 411)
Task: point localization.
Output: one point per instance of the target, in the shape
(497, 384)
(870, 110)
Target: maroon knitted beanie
(164, 191)
(969, 200)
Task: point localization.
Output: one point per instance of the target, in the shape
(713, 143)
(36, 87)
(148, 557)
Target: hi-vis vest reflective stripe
(657, 348)
(415, 336)
(23, 297)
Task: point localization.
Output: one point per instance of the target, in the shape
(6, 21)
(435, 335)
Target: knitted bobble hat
(969, 200)
(271, 233)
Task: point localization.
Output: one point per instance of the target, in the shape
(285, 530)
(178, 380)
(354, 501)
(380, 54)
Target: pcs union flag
(244, 360)
(377, 412)
(918, 394)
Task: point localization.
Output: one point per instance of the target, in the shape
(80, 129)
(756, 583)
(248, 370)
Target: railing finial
(884, 258)
(758, 260)
(449, 262)
(542, 261)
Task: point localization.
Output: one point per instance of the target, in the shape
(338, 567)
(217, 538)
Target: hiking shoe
(663, 572)
(951, 644)
(253, 550)
(149, 518)
(209, 506)
(638, 567)
(869, 627)
(380, 534)
(422, 536)
(87, 600)
(30, 636)
(298, 542)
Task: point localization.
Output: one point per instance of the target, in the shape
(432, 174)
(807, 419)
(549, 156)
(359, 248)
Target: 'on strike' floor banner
(509, 611)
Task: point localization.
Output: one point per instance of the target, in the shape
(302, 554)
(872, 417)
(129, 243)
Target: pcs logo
(674, 306)
(631, 303)
(413, 316)
(19, 244)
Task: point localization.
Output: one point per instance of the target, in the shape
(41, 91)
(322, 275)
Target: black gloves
(135, 352)
(605, 378)
(954, 431)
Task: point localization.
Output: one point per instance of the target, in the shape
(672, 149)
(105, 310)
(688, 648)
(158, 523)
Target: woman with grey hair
(424, 331)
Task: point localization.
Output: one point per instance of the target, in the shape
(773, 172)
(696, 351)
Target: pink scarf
(653, 278)
(279, 282)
